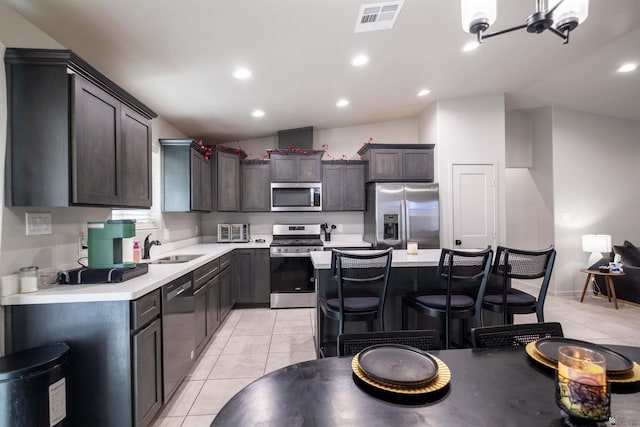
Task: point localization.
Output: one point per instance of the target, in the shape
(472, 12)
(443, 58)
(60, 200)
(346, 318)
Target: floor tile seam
(178, 393)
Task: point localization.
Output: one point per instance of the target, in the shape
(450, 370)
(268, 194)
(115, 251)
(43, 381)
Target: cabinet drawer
(145, 309)
(225, 261)
(205, 273)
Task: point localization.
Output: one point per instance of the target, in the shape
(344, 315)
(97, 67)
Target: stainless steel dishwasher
(178, 336)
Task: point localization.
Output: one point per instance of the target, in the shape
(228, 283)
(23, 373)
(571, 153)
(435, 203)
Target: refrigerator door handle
(405, 221)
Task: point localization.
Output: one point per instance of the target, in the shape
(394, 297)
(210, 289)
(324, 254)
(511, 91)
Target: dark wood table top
(487, 388)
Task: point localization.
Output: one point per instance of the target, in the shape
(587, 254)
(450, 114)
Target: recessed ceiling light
(424, 92)
(242, 73)
(471, 46)
(359, 60)
(342, 103)
(627, 68)
(257, 113)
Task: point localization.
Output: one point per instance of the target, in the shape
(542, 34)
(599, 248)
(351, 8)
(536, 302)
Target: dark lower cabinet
(213, 306)
(200, 314)
(226, 291)
(252, 276)
(115, 373)
(147, 372)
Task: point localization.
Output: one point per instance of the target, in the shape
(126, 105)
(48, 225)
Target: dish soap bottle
(136, 252)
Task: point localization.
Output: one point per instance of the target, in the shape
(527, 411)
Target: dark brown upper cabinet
(186, 176)
(256, 189)
(75, 138)
(399, 162)
(226, 179)
(343, 185)
(296, 167)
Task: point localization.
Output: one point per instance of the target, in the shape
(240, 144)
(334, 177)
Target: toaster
(233, 233)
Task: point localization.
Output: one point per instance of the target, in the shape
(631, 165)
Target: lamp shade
(596, 243)
(476, 12)
(570, 11)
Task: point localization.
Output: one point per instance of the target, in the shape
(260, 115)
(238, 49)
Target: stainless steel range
(292, 281)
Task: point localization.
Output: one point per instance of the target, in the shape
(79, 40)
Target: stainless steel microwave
(228, 233)
(296, 196)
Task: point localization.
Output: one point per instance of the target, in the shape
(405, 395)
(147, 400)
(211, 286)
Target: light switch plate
(37, 223)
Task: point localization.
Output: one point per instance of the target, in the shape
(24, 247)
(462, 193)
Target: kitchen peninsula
(409, 273)
(118, 332)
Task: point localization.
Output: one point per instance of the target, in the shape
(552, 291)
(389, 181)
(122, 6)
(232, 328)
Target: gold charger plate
(629, 377)
(439, 382)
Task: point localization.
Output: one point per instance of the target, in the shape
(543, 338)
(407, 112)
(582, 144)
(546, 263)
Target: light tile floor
(254, 342)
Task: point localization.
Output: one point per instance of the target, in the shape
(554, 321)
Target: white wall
(468, 130)
(595, 184)
(529, 191)
(341, 143)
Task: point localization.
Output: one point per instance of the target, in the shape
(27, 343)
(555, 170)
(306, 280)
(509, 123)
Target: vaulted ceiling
(177, 56)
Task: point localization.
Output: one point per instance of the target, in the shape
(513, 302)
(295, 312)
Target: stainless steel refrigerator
(398, 213)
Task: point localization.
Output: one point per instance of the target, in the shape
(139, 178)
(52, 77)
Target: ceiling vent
(378, 16)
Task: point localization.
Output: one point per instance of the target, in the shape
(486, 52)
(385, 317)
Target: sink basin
(175, 259)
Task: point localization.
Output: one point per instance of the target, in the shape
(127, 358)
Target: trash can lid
(25, 362)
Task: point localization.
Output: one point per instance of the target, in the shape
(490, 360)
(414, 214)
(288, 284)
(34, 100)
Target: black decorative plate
(397, 364)
(616, 362)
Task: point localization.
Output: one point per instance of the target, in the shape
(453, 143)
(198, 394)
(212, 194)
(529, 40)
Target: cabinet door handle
(149, 310)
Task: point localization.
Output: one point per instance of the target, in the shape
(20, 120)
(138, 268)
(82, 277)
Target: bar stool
(454, 266)
(362, 286)
(522, 265)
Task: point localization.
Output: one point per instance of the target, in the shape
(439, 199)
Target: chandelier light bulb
(478, 15)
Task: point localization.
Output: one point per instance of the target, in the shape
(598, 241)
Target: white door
(473, 205)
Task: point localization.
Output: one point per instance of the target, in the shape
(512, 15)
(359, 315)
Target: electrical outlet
(195, 230)
(339, 228)
(83, 247)
(166, 235)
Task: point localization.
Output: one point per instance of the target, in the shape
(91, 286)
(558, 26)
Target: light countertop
(158, 275)
(399, 258)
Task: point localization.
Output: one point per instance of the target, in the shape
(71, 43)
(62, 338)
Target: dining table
(488, 387)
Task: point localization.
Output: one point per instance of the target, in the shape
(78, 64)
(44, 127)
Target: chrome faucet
(146, 251)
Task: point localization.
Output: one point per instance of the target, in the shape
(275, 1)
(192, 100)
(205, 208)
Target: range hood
(301, 138)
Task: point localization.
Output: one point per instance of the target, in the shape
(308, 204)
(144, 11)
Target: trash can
(33, 388)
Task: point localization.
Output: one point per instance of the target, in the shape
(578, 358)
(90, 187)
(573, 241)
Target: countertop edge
(158, 275)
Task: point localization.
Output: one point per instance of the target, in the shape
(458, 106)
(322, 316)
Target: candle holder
(412, 248)
(582, 392)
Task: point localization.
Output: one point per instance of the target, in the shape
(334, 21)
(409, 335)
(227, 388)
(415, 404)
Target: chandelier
(559, 16)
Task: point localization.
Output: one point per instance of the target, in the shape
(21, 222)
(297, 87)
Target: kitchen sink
(175, 259)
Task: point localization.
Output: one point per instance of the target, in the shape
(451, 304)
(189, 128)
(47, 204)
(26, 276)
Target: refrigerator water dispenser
(391, 226)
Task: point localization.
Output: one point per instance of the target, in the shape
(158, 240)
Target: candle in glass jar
(28, 279)
(412, 248)
(582, 383)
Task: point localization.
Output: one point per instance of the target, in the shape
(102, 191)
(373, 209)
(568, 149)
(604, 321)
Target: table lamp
(596, 244)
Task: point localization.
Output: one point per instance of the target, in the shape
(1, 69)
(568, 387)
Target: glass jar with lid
(28, 277)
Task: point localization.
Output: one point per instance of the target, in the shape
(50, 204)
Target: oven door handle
(291, 255)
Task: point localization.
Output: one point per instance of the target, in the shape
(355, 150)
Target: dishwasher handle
(177, 291)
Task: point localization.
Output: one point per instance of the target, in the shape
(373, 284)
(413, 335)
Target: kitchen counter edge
(157, 276)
